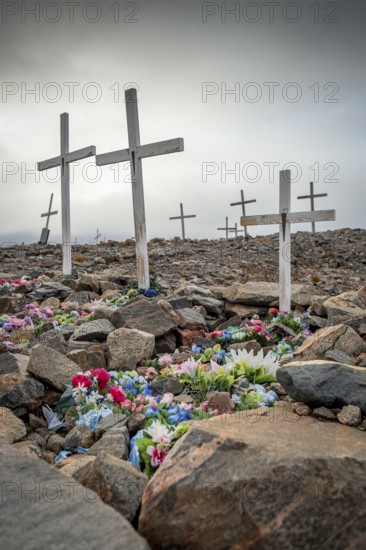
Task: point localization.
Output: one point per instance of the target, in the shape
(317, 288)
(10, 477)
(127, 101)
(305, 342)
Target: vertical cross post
(226, 228)
(96, 238)
(182, 218)
(285, 241)
(65, 196)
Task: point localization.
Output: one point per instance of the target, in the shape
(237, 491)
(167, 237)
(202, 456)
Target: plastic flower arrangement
(296, 321)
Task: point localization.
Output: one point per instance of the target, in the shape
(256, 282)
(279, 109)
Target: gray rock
(11, 428)
(167, 385)
(60, 507)
(188, 318)
(301, 409)
(126, 347)
(51, 367)
(323, 413)
(80, 436)
(145, 315)
(339, 357)
(8, 364)
(251, 482)
(266, 294)
(55, 443)
(115, 420)
(104, 312)
(350, 416)
(114, 442)
(324, 383)
(20, 393)
(50, 289)
(55, 340)
(93, 330)
(116, 481)
(339, 337)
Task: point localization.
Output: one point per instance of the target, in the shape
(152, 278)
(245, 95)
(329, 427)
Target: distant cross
(243, 203)
(312, 197)
(134, 154)
(182, 217)
(285, 218)
(236, 230)
(226, 228)
(45, 231)
(98, 235)
(64, 160)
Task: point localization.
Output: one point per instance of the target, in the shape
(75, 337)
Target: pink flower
(102, 376)
(82, 380)
(157, 456)
(165, 361)
(167, 398)
(117, 394)
(188, 366)
(151, 373)
(216, 333)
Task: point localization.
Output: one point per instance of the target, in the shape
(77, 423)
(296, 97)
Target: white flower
(159, 433)
(269, 362)
(167, 398)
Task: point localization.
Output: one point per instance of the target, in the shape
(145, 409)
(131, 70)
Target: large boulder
(51, 367)
(251, 481)
(347, 308)
(200, 296)
(93, 330)
(126, 347)
(144, 315)
(20, 393)
(42, 508)
(340, 337)
(116, 481)
(266, 294)
(324, 383)
(12, 428)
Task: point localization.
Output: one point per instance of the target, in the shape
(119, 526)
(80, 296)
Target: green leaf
(66, 401)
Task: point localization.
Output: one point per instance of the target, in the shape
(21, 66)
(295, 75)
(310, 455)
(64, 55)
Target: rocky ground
(333, 261)
(280, 464)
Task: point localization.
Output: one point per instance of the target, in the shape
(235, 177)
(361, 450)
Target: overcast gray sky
(252, 87)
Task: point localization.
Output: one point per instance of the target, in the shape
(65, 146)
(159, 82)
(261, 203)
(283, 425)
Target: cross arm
(49, 214)
(123, 155)
(86, 152)
(292, 217)
(245, 202)
(50, 163)
(313, 196)
(160, 148)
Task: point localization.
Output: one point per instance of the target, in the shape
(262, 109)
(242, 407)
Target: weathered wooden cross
(98, 235)
(285, 218)
(45, 231)
(134, 154)
(182, 217)
(226, 228)
(236, 230)
(312, 197)
(243, 203)
(63, 160)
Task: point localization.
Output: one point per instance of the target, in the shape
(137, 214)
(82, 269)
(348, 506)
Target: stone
(73, 463)
(127, 347)
(361, 295)
(234, 321)
(186, 337)
(242, 310)
(114, 442)
(61, 523)
(20, 393)
(6, 305)
(184, 398)
(8, 364)
(82, 297)
(165, 344)
(200, 296)
(79, 436)
(220, 401)
(107, 285)
(317, 305)
(251, 345)
(51, 289)
(88, 282)
(55, 443)
(179, 303)
(188, 318)
(88, 359)
(167, 385)
(30, 448)
(11, 428)
(93, 330)
(348, 309)
(350, 415)
(51, 367)
(104, 312)
(301, 409)
(339, 337)
(114, 420)
(266, 294)
(339, 357)
(55, 340)
(135, 423)
(145, 315)
(249, 481)
(117, 482)
(276, 387)
(52, 303)
(324, 383)
(323, 413)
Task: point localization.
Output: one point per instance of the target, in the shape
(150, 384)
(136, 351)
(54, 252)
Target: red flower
(102, 376)
(82, 380)
(117, 394)
(273, 310)
(216, 333)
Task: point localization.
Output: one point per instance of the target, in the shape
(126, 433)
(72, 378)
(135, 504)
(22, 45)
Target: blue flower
(273, 394)
(151, 412)
(227, 334)
(179, 417)
(150, 293)
(196, 349)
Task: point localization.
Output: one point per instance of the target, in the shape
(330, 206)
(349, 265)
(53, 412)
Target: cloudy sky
(252, 87)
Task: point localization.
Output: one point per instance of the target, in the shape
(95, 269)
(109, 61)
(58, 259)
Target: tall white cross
(285, 218)
(98, 235)
(63, 160)
(182, 217)
(134, 154)
(226, 228)
(312, 197)
(45, 231)
(243, 203)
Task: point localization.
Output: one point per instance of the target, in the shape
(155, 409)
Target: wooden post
(226, 228)
(285, 241)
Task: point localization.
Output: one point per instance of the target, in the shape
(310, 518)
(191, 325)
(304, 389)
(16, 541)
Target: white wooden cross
(45, 231)
(63, 160)
(243, 203)
(182, 218)
(285, 218)
(226, 228)
(236, 230)
(134, 154)
(312, 197)
(98, 235)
